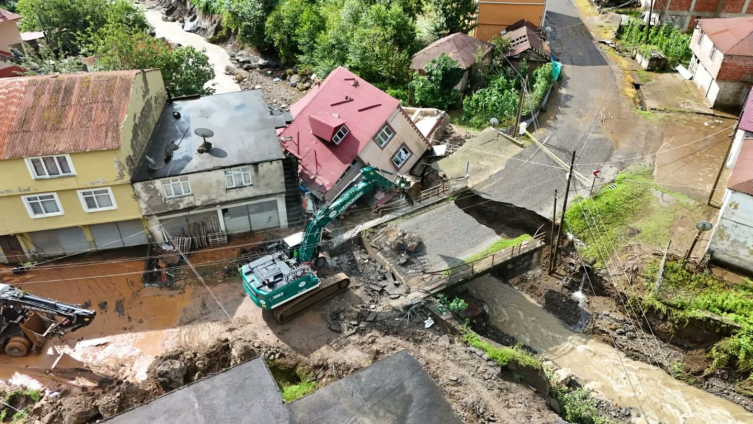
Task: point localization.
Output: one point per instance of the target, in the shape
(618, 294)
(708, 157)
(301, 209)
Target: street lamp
(702, 226)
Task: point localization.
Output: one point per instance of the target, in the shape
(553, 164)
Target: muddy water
(218, 57)
(661, 397)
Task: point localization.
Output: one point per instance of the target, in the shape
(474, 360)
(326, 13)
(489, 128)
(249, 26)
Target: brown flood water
(661, 397)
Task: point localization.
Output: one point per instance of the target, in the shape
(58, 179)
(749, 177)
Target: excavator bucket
(35, 328)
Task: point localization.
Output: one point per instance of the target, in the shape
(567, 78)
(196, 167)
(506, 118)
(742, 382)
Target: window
(352, 164)
(176, 187)
(238, 177)
(713, 52)
(401, 156)
(50, 166)
(384, 135)
(701, 38)
(338, 137)
(100, 199)
(43, 205)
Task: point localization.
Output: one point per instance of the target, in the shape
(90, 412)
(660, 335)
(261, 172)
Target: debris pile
(395, 239)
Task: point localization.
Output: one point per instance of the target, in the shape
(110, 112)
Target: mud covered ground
(613, 321)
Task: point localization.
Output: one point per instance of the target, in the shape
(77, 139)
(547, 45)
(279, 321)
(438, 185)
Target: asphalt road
(587, 86)
(530, 178)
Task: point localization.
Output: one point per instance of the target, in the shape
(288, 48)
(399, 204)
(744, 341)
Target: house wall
(732, 240)
(209, 188)
(496, 15)
(737, 145)
(148, 97)
(702, 51)
(405, 133)
(684, 13)
(723, 79)
(9, 36)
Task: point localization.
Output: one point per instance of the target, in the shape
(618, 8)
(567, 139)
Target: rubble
(395, 239)
(171, 374)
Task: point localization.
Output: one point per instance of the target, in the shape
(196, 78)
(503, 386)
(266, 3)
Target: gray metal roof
(244, 133)
(244, 394)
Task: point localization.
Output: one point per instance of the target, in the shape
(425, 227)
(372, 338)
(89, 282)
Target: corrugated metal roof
(733, 36)
(6, 16)
(523, 36)
(361, 106)
(70, 113)
(741, 178)
(458, 46)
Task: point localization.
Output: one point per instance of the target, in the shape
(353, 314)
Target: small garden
(666, 38)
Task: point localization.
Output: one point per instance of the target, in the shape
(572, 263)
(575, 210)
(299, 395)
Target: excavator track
(330, 287)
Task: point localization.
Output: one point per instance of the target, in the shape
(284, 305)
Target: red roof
(458, 46)
(746, 120)
(6, 16)
(741, 178)
(71, 113)
(733, 36)
(324, 125)
(342, 98)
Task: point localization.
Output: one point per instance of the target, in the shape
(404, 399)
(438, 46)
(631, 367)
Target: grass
(643, 76)
(497, 246)
(652, 117)
(629, 213)
(294, 382)
(297, 391)
(578, 406)
(502, 355)
(19, 416)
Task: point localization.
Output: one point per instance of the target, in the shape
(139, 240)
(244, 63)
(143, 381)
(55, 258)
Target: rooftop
(523, 36)
(244, 133)
(746, 119)
(741, 178)
(393, 390)
(6, 16)
(732, 36)
(342, 98)
(69, 113)
(458, 46)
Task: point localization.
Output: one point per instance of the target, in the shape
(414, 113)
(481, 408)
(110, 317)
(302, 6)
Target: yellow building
(68, 147)
(494, 16)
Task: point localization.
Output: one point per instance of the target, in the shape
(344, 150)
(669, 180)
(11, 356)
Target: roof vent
(176, 115)
(355, 83)
(204, 133)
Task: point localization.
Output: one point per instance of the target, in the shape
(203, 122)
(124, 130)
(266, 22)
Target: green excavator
(289, 281)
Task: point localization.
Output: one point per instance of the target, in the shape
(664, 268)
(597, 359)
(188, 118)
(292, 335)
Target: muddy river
(606, 369)
(218, 56)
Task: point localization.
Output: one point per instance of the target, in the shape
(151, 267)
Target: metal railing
(446, 277)
(447, 186)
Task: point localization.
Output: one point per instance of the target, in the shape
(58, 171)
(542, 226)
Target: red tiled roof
(741, 178)
(746, 119)
(458, 46)
(363, 108)
(733, 36)
(6, 16)
(70, 113)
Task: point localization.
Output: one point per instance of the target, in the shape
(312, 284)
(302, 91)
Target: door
(12, 249)
(106, 236)
(236, 219)
(132, 232)
(264, 215)
(47, 243)
(73, 240)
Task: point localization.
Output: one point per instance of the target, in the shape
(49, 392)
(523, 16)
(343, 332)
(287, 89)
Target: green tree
(44, 61)
(454, 16)
(248, 18)
(64, 21)
(9, 5)
(185, 70)
(340, 21)
(283, 24)
(437, 87)
(382, 45)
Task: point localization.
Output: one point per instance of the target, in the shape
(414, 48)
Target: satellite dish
(204, 133)
(703, 226)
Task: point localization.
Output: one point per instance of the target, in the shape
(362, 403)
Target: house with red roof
(343, 124)
(722, 62)
(731, 241)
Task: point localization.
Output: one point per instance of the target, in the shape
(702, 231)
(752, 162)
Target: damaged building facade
(344, 124)
(69, 145)
(214, 165)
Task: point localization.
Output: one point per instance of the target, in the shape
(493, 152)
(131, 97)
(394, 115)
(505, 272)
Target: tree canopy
(437, 87)
(454, 16)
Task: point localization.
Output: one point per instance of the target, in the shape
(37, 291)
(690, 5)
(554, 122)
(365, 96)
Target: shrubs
(666, 38)
(437, 87)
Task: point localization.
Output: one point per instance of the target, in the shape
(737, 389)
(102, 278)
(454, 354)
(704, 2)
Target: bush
(498, 100)
(666, 38)
(437, 87)
(248, 18)
(578, 406)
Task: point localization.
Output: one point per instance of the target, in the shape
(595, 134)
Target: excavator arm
(369, 178)
(73, 316)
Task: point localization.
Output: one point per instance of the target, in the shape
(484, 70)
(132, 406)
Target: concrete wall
(732, 240)
(495, 16)
(209, 188)
(148, 97)
(702, 50)
(9, 36)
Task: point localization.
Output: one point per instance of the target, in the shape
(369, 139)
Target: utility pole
(650, 15)
(551, 244)
(520, 106)
(553, 262)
